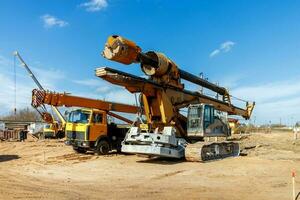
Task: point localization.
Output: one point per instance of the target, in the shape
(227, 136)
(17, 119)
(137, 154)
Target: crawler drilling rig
(171, 134)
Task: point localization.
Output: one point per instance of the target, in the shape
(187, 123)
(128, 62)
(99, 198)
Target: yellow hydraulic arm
(163, 93)
(60, 116)
(184, 97)
(164, 75)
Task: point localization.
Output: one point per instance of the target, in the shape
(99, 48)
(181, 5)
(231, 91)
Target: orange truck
(89, 128)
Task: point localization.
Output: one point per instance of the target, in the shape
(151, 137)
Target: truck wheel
(102, 147)
(119, 149)
(119, 146)
(41, 136)
(79, 150)
(60, 135)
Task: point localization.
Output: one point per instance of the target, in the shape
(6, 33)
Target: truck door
(98, 125)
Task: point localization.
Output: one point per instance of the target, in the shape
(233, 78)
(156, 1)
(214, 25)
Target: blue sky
(250, 47)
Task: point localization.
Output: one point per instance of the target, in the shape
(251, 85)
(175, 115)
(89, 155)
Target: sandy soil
(51, 170)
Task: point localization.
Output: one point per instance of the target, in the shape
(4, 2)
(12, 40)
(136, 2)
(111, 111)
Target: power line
(15, 88)
(238, 99)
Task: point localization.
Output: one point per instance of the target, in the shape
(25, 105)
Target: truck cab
(53, 130)
(88, 129)
(49, 130)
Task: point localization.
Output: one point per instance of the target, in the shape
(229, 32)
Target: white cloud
(274, 101)
(103, 89)
(88, 82)
(231, 81)
(99, 85)
(4, 61)
(214, 53)
(94, 5)
(7, 94)
(120, 96)
(51, 21)
(270, 91)
(106, 91)
(49, 78)
(224, 48)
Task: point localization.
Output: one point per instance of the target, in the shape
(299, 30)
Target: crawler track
(206, 151)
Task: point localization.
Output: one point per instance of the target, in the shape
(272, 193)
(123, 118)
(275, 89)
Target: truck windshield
(47, 126)
(79, 117)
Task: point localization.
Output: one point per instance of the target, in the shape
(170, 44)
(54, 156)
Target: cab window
(97, 118)
(208, 116)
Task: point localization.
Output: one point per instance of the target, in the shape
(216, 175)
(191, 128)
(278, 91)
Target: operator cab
(47, 126)
(205, 121)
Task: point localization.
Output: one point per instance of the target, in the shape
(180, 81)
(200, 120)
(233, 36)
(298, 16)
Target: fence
(10, 135)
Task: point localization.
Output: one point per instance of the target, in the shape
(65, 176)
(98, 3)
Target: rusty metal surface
(9, 135)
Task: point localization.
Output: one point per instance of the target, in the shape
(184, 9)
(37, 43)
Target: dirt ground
(51, 170)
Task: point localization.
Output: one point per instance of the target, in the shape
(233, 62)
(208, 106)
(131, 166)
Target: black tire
(41, 136)
(102, 147)
(119, 150)
(119, 146)
(60, 135)
(79, 150)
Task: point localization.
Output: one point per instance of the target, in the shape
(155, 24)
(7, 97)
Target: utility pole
(254, 123)
(15, 89)
(280, 121)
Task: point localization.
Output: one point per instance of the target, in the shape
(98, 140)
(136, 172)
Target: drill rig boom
(137, 84)
(163, 95)
(162, 72)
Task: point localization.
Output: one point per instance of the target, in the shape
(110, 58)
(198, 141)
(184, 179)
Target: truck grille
(49, 134)
(75, 135)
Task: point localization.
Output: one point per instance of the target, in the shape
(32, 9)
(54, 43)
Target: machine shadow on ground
(161, 161)
(4, 158)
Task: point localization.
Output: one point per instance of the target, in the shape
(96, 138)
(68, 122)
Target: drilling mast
(163, 95)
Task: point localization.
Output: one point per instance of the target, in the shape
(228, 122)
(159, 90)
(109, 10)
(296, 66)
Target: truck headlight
(85, 144)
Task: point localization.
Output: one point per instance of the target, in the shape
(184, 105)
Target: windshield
(78, 117)
(194, 117)
(47, 126)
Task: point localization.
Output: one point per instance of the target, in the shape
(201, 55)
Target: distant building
(31, 127)
(35, 127)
